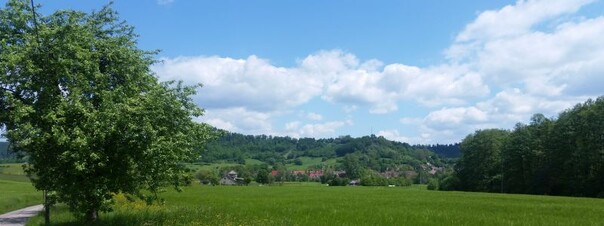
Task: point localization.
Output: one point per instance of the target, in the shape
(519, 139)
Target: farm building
(231, 178)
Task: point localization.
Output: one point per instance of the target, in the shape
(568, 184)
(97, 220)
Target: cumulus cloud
(504, 110)
(335, 76)
(446, 85)
(395, 135)
(321, 129)
(556, 58)
(535, 56)
(326, 129)
(510, 47)
(539, 57)
(516, 19)
(452, 117)
(239, 119)
(252, 83)
(383, 89)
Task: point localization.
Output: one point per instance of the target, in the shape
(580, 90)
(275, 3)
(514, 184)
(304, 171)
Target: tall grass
(306, 204)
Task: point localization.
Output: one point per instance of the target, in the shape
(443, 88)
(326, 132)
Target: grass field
(311, 204)
(12, 169)
(216, 166)
(15, 189)
(308, 162)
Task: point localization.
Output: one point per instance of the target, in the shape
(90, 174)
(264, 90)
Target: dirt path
(19, 217)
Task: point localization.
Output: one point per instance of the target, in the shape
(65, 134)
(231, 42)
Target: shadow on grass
(63, 218)
(125, 220)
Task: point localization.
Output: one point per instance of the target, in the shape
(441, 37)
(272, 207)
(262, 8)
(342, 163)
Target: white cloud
(326, 129)
(540, 57)
(240, 120)
(455, 116)
(335, 76)
(314, 116)
(392, 135)
(511, 48)
(322, 129)
(446, 85)
(504, 110)
(558, 57)
(252, 83)
(329, 63)
(395, 135)
(516, 19)
(291, 126)
(383, 89)
(534, 56)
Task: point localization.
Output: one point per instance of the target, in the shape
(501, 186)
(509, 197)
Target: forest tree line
(563, 156)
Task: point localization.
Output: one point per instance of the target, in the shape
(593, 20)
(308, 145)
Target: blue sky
(415, 71)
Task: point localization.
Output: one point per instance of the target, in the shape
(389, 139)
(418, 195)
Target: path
(19, 217)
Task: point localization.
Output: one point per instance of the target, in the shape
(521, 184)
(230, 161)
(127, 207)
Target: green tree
(207, 177)
(352, 166)
(523, 156)
(575, 151)
(77, 96)
(479, 168)
(264, 176)
(556, 157)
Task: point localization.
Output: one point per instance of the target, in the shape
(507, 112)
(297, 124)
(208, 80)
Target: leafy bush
(449, 183)
(432, 184)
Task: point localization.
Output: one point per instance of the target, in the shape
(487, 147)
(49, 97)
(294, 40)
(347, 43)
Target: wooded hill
(444, 150)
(371, 152)
(4, 152)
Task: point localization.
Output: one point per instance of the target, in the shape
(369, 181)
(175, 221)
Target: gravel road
(19, 217)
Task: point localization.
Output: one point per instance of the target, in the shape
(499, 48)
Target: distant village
(231, 177)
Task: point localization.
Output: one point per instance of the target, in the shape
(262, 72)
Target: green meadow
(314, 204)
(308, 162)
(15, 189)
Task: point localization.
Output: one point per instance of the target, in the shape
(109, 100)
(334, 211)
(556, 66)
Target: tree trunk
(92, 215)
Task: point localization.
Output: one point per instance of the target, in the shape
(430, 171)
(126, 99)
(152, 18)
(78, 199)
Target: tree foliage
(369, 152)
(263, 176)
(480, 167)
(78, 98)
(444, 150)
(563, 156)
(207, 177)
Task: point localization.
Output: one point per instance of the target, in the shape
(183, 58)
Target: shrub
(432, 184)
(449, 183)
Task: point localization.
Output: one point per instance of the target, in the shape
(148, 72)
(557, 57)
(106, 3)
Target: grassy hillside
(308, 162)
(310, 204)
